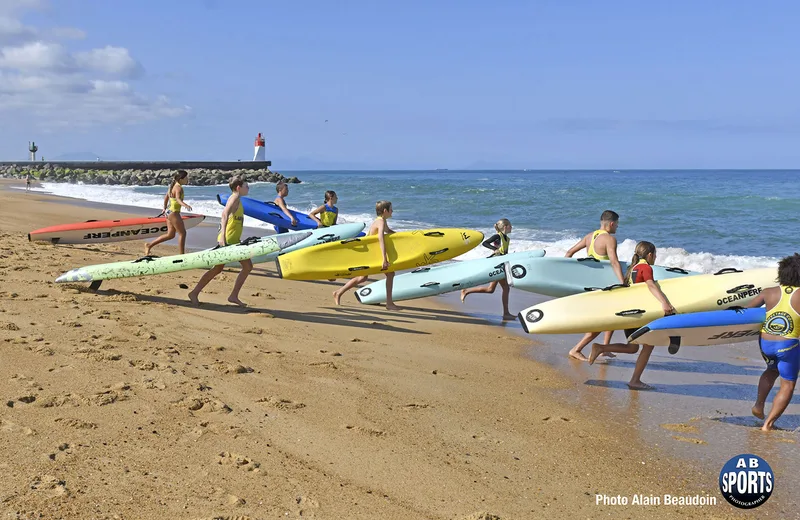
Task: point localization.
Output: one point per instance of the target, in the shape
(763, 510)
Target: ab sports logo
(746, 481)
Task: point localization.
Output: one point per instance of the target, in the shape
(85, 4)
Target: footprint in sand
(324, 364)
(367, 431)
(282, 404)
(50, 486)
(415, 406)
(680, 427)
(689, 440)
(205, 405)
(239, 461)
(76, 423)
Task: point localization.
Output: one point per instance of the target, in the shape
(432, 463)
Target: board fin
(674, 344)
(95, 285)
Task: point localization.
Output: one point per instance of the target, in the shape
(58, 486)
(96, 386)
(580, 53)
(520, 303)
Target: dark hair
(789, 271)
(235, 182)
(609, 216)
(643, 249)
(330, 194)
(279, 186)
(179, 175)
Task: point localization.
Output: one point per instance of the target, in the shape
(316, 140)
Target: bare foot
(597, 349)
(463, 295)
(237, 301)
(336, 297)
(193, 299)
(574, 354)
(640, 386)
(767, 427)
(758, 410)
(392, 307)
(147, 249)
(509, 317)
(609, 354)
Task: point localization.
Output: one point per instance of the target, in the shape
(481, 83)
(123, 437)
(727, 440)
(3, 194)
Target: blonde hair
(381, 206)
(236, 182)
(501, 224)
(643, 250)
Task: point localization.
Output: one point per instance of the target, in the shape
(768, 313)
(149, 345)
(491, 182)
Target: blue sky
(414, 84)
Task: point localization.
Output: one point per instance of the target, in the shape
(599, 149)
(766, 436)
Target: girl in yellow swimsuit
(173, 202)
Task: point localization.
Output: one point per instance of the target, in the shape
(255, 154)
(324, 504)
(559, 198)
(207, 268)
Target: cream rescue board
(617, 307)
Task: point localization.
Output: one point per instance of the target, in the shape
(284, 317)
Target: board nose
(288, 240)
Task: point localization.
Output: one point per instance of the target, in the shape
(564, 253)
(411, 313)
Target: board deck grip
(741, 288)
(630, 312)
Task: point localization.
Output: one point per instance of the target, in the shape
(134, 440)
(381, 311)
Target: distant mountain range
(80, 156)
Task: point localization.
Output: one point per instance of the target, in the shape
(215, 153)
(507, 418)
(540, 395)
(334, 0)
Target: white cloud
(37, 56)
(53, 86)
(112, 60)
(14, 32)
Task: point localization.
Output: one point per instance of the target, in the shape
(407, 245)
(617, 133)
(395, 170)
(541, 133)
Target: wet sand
(130, 403)
(699, 409)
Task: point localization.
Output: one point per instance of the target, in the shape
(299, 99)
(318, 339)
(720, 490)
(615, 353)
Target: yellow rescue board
(619, 308)
(361, 256)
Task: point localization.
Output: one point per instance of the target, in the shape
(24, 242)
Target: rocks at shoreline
(197, 177)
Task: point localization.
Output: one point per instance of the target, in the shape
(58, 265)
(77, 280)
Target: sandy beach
(130, 403)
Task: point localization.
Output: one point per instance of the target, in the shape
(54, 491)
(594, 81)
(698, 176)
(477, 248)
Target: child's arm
(490, 242)
(577, 247)
(661, 297)
(382, 228)
(316, 212)
(758, 302)
(611, 251)
(282, 205)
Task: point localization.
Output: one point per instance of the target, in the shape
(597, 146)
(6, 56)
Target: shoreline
(388, 427)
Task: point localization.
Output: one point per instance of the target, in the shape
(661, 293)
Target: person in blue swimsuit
(780, 340)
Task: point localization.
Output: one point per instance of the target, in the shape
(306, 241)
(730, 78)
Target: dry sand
(129, 403)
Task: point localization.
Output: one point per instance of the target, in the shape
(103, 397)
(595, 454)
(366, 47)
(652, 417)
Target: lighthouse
(260, 153)
(32, 148)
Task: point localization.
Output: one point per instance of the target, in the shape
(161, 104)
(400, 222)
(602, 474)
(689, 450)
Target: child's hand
(189, 207)
(294, 222)
(668, 309)
(385, 265)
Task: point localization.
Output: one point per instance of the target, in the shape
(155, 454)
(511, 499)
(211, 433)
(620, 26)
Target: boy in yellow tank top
(230, 232)
(601, 245)
(780, 340)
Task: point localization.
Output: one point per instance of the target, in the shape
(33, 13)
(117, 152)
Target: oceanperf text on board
(739, 296)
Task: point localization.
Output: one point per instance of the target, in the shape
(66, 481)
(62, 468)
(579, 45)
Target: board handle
(676, 270)
(630, 312)
(326, 236)
(615, 286)
(421, 270)
(439, 252)
(434, 234)
(728, 270)
(359, 268)
(354, 239)
(430, 284)
(588, 259)
(740, 288)
(249, 241)
(148, 258)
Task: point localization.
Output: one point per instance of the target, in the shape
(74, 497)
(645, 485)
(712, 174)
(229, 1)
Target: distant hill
(80, 156)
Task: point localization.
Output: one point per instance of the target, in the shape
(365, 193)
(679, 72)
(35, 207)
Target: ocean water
(700, 220)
